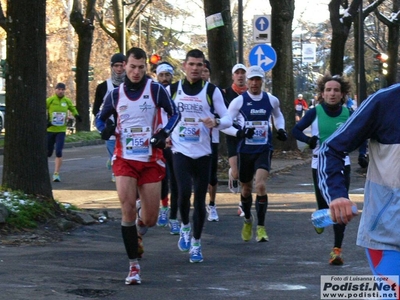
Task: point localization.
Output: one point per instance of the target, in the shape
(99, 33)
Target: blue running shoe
(175, 227)
(195, 253)
(163, 217)
(184, 240)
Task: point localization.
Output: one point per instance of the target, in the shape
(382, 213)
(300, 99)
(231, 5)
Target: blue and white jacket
(377, 119)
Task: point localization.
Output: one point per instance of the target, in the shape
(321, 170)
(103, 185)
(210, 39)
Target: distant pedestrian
(57, 107)
(165, 73)
(117, 64)
(350, 103)
(237, 88)
(300, 106)
(254, 109)
(206, 73)
(138, 162)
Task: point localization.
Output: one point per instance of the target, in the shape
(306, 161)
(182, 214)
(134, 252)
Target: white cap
(300, 96)
(237, 67)
(255, 71)
(165, 68)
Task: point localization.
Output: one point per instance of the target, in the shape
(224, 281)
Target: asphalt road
(85, 178)
(91, 262)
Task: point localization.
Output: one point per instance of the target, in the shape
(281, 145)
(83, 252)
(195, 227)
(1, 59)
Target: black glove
(282, 135)
(245, 133)
(158, 139)
(108, 131)
(312, 142)
(49, 124)
(78, 118)
(363, 160)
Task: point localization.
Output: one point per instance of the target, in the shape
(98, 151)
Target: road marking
(72, 159)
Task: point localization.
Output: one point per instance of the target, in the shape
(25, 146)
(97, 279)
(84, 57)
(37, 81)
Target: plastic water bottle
(322, 217)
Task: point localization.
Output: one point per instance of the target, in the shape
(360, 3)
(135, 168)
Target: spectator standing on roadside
(213, 183)
(350, 103)
(102, 90)
(197, 101)
(57, 107)
(138, 162)
(300, 105)
(165, 73)
(376, 119)
(324, 120)
(237, 88)
(255, 108)
(313, 102)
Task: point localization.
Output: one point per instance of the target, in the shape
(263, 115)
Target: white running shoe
(212, 213)
(133, 275)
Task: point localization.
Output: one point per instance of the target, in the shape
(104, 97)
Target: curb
(275, 170)
(84, 143)
(74, 144)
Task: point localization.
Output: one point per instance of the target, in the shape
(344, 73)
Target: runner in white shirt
(191, 146)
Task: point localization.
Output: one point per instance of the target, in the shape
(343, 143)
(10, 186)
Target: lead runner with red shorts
(138, 162)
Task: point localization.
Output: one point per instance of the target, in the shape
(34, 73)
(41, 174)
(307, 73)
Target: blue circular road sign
(262, 24)
(264, 56)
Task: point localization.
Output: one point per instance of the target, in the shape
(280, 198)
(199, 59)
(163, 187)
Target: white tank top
(191, 137)
(136, 118)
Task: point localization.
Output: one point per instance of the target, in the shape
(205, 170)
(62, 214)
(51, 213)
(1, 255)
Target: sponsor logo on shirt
(144, 107)
(260, 111)
(124, 116)
(190, 107)
(123, 107)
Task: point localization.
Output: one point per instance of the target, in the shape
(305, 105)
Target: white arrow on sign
(260, 53)
(262, 23)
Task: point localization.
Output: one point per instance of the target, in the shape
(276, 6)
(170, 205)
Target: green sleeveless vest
(328, 125)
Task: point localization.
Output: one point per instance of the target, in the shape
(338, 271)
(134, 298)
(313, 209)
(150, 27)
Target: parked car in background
(2, 109)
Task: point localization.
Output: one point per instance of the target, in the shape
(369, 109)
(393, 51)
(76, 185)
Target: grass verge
(75, 137)
(26, 211)
(82, 136)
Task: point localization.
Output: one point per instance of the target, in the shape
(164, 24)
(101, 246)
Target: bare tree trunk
(84, 28)
(221, 49)
(340, 31)
(282, 74)
(70, 43)
(25, 151)
(132, 11)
